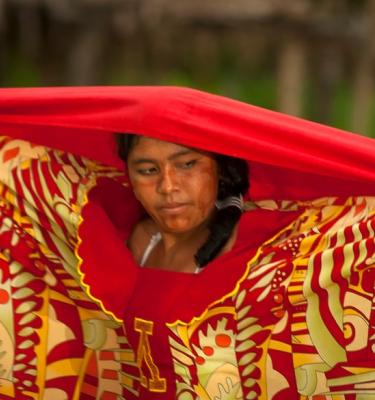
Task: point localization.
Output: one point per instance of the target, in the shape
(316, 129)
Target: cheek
(205, 191)
(143, 191)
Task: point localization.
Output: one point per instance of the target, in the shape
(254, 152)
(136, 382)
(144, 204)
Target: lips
(173, 208)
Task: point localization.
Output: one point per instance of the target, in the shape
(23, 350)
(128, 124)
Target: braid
(233, 181)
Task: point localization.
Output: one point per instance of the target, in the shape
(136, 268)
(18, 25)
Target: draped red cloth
(264, 294)
(290, 157)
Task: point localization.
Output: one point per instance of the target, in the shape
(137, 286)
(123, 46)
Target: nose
(168, 181)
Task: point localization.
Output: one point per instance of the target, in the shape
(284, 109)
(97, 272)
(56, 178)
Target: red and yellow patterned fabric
(287, 314)
(276, 325)
(300, 325)
(55, 343)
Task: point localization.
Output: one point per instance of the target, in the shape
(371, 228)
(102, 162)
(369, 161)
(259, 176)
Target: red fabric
(290, 157)
(176, 296)
(107, 220)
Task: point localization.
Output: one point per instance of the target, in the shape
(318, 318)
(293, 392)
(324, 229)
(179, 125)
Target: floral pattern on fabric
(55, 342)
(299, 324)
(303, 318)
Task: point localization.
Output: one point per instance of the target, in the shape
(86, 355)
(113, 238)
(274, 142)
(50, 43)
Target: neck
(171, 242)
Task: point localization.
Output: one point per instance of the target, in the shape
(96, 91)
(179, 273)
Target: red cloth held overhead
(290, 157)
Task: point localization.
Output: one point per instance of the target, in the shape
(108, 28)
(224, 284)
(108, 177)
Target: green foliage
(371, 132)
(342, 107)
(257, 87)
(22, 72)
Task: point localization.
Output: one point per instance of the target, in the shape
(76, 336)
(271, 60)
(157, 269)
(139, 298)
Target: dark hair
(233, 181)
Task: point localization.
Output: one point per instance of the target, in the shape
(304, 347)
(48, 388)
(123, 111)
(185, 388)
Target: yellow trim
(82, 373)
(237, 286)
(211, 313)
(86, 286)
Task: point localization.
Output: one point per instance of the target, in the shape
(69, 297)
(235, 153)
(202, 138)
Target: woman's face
(176, 185)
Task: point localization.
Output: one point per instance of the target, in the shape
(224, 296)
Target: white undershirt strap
(155, 239)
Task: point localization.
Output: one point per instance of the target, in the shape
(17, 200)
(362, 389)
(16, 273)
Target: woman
(283, 309)
(184, 192)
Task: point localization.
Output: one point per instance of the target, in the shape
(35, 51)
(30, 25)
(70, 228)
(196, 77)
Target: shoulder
(140, 237)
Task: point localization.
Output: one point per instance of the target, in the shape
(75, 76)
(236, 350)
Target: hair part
(233, 181)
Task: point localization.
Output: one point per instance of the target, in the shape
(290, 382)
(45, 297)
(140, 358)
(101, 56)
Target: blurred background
(310, 58)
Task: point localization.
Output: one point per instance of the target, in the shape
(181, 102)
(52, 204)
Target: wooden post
(3, 43)
(364, 77)
(291, 74)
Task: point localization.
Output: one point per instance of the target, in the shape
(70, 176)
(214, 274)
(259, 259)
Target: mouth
(173, 208)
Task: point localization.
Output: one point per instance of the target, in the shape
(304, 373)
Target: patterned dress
(287, 314)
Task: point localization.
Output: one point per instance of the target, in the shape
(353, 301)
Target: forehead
(148, 146)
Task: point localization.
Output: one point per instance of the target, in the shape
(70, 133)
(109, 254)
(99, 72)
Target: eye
(147, 171)
(188, 164)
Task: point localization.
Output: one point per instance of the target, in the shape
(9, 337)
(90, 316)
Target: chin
(178, 227)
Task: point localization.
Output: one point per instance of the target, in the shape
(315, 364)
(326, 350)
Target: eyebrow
(170, 158)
